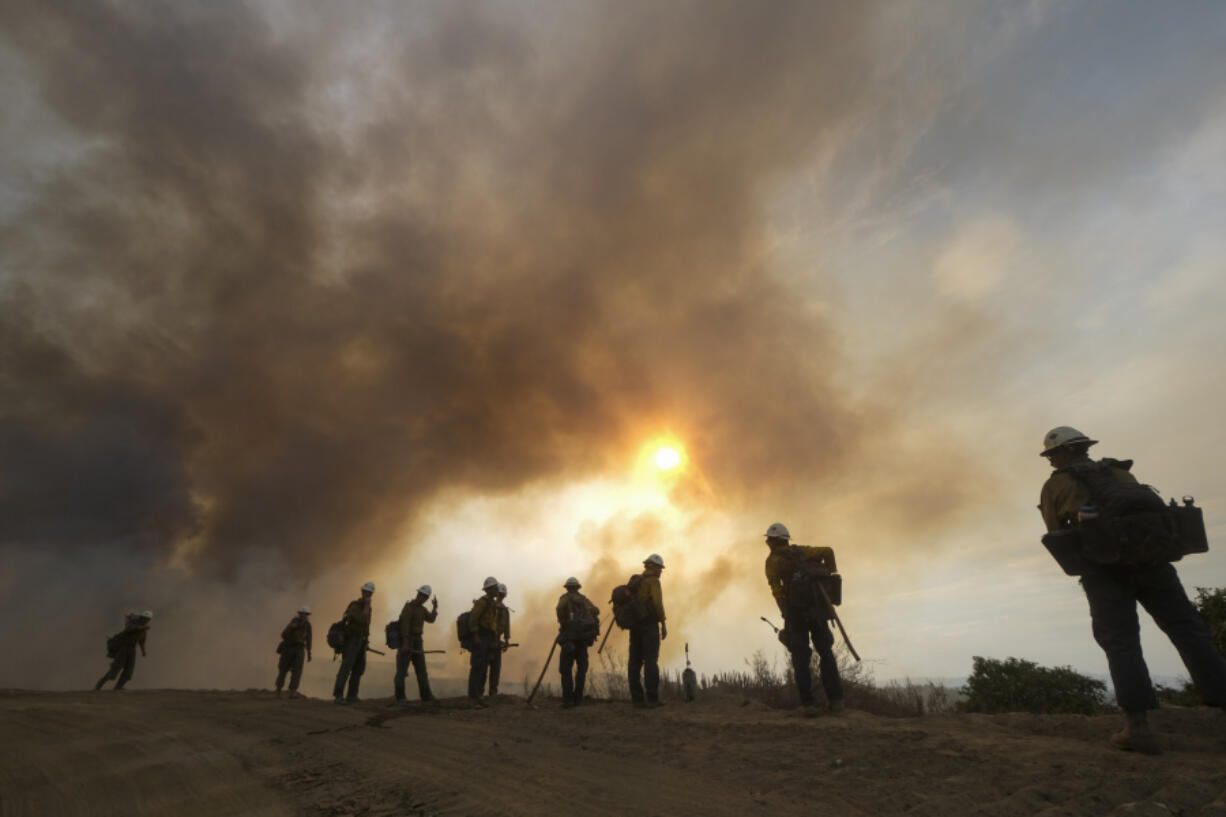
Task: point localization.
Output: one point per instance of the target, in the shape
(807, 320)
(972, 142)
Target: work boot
(294, 694)
(810, 710)
(339, 700)
(567, 703)
(1136, 736)
(655, 704)
(478, 703)
(836, 707)
(639, 704)
(278, 692)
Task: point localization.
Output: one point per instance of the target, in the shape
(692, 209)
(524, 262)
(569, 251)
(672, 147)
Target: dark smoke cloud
(298, 276)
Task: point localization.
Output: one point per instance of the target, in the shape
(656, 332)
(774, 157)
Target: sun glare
(667, 458)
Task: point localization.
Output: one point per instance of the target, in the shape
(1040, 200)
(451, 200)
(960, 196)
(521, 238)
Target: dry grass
(771, 683)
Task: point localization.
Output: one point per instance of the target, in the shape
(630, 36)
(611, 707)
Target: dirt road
(249, 753)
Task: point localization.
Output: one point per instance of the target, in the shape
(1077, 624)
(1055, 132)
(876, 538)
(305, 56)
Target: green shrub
(1211, 604)
(1016, 685)
(1184, 696)
(774, 685)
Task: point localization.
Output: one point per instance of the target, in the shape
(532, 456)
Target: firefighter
(121, 649)
(357, 639)
(482, 639)
(413, 619)
(294, 647)
(1113, 591)
(578, 627)
(645, 638)
(792, 572)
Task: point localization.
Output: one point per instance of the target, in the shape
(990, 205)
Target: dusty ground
(248, 753)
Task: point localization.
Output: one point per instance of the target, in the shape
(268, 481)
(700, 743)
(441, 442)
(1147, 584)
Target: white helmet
(502, 588)
(572, 582)
(1061, 436)
(148, 614)
(425, 590)
(369, 587)
(489, 582)
(304, 609)
(778, 530)
(654, 559)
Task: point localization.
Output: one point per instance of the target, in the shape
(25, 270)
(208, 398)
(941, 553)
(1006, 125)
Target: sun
(667, 458)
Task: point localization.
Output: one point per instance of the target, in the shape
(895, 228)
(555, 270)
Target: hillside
(249, 753)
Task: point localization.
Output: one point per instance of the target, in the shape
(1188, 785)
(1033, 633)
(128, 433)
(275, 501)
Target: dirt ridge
(181, 752)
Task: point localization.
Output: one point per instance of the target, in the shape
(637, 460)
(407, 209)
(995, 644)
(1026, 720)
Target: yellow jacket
(779, 566)
(413, 618)
(133, 634)
(1063, 495)
(649, 589)
(484, 616)
(357, 618)
(298, 632)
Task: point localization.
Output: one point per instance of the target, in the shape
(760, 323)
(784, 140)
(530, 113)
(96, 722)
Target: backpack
(113, 645)
(1190, 521)
(582, 627)
(392, 633)
(628, 607)
(1133, 525)
(337, 635)
(804, 598)
(462, 632)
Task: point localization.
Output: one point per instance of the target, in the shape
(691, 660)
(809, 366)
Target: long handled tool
(833, 614)
(782, 635)
(552, 647)
(838, 621)
(605, 639)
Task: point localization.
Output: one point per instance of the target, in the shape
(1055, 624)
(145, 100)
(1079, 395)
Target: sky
(294, 297)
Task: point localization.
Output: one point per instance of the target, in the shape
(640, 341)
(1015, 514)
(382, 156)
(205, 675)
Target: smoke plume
(275, 282)
(293, 278)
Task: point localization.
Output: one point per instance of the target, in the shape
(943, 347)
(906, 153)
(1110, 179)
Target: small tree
(1211, 604)
(1016, 685)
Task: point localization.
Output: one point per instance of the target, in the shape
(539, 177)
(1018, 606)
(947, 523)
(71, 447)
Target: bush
(1184, 696)
(1211, 604)
(763, 681)
(1016, 685)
